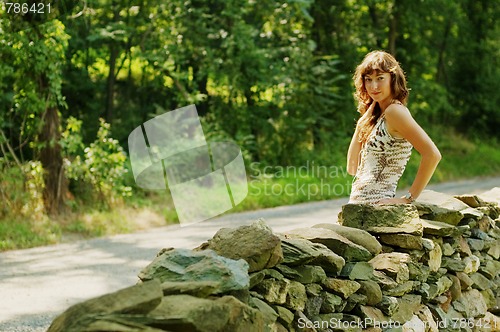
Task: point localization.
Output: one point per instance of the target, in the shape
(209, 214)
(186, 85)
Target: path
(37, 284)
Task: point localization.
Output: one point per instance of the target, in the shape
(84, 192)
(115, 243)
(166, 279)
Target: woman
(385, 134)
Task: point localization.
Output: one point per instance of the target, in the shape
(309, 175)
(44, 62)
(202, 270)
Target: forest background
(275, 77)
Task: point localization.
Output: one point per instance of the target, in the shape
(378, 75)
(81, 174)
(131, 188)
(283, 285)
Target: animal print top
(383, 161)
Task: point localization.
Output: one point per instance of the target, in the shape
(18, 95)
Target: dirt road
(37, 284)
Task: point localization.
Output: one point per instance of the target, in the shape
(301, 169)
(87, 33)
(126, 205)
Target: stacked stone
(440, 259)
(430, 266)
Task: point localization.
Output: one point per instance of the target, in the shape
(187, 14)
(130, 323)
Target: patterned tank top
(383, 161)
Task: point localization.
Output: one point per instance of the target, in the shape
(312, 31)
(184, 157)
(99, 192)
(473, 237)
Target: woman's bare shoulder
(397, 111)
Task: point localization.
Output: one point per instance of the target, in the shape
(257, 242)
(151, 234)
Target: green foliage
(98, 174)
(21, 190)
(272, 76)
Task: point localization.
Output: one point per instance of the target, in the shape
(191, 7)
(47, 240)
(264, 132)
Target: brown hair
(377, 61)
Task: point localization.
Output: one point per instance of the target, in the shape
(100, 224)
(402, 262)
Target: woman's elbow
(434, 155)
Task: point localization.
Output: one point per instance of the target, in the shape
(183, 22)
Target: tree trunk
(113, 56)
(110, 86)
(375, 21)
(441, 67)
(393, 28)
(50, 155)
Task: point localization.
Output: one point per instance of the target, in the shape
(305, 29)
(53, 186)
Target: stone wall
(430, 266)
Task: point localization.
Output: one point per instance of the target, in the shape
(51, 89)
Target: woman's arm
(400, 123)
(353, 153)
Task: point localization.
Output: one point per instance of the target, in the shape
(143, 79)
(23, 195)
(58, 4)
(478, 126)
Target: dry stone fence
(429, 266)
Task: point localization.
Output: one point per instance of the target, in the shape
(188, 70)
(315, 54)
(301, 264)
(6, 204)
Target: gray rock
(388, 305)
(256, 278)
(296, 296)
(400, 290)
(364, 216)
(485, 224)
(418, 271)
(475, 244)
(110, 323)
(354, 301)
(274, 291)
(452, 264)
(435, 258)
(448, 249)
(288, 272)
(406, 241)
(473, 201)
(302, 251)
(428, 244)
(139, 299)
(463, 246)
(372, 291)
(472, 213)
(489, 298)
(383, 280)
(480, 281)
(415, 324)
(256, 244)
(285, 316)
(471, 304)
(309, 274)
(272, 273)
(490, 269)
(330, 303)
(357, 271)
(440, 207)
(358, 236)
(456, 288)
(494, 250)
(372, 316)
(425, 315)
(313, 306)
(414, 228)
(471, 264)
(340, 245)
(344, 288)
(443, 284)
(195, 314)
(446, 320)
(305, 325)
(329, 321)
(270, 315)
(481, 235)
(393, 264)
(437, 228)
(194, 288)
(407, 305)
(492, 196)
(465, 281)
(205, 266)
(313, 289)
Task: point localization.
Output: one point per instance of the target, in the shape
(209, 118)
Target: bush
(97, 174)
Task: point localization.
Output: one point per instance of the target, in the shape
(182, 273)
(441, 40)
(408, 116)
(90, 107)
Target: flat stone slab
(368, 216)
(340, 245)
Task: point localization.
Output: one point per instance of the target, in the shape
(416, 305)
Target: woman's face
(378, 86)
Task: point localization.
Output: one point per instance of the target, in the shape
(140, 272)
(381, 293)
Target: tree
(33, 54)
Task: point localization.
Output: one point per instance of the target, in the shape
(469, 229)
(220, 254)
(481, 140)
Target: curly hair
(379, 62)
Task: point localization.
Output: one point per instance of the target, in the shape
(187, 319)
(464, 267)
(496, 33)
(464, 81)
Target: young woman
(385, 135)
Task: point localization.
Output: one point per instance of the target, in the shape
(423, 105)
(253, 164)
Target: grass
(268, 187)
